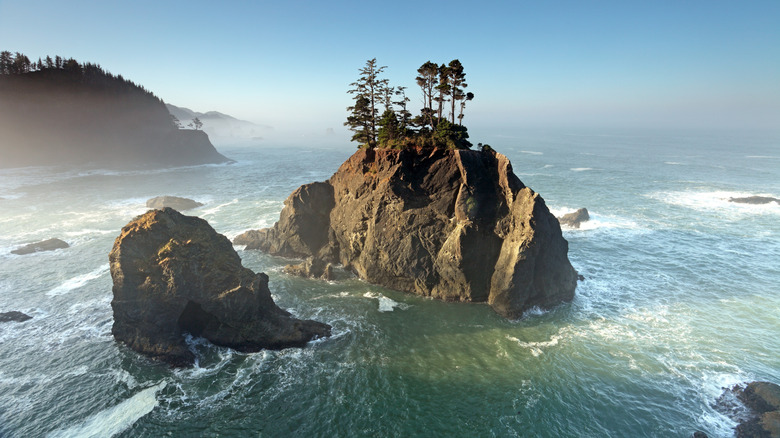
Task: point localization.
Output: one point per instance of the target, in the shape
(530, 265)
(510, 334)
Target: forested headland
(60, 111)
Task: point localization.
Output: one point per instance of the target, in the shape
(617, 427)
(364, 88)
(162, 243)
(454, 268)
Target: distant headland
(59, 111)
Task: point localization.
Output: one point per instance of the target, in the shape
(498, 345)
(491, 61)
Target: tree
(457, 81)
(443, 90)
(49, 62)
(388, 127)
(360, 120)
(370, 87)
(197, 123)
(428, 79)
(176, 121)
(404, 115)
(468, 97)
(6, 61)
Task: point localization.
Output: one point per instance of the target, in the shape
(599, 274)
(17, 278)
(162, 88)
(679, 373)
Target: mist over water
(680, 300)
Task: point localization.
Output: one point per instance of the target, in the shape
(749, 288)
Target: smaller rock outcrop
(173, 274)
(14, 316)
(173, 202)
(311, 268)
(759, 415)
(757, 200)
(44, 245)
(574, 220)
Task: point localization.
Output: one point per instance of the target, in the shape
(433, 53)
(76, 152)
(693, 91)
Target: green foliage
(396, 128)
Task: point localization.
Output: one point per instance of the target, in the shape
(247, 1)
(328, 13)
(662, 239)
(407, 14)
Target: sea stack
(452, 224)
(173, 274)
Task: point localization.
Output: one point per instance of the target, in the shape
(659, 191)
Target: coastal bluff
(79, 114)
(173, 275)
(452, 224)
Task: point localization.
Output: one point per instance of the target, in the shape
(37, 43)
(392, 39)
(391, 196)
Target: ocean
(680, 299)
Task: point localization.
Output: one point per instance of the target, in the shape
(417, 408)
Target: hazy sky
(530, 63)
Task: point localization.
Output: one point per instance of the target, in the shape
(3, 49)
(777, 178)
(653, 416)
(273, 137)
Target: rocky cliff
(457, 225)
(173, 274)
(85, 115)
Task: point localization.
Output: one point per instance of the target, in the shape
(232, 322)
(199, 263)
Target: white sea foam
(672, 163)
(547, 166)
(536, 347)
(386, 304)
(219, 207)
(116, 419)
(580, 169)
(764, 157)
(78, 281)
(532, 152)
(716, 201)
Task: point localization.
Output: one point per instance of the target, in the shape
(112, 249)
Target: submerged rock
(14, 316)
(755, 200)
(311, 268)
(173, 274)
(457, 225)
(575, 219)
(44, 245)
(173, 202)
(759, 413)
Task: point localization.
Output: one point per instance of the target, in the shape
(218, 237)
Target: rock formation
(759, 415)
(755, 200)
(14, 316)
(173, 202)
(457, 225)
(44, 245)
(312, 268)
(173, 274)
(575, 219)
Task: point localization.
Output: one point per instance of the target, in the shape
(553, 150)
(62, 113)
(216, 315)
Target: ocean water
(681, 299)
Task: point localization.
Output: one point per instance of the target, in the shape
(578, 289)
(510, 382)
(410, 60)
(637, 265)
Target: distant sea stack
(173, 274)
(64, 112)
(457, 225)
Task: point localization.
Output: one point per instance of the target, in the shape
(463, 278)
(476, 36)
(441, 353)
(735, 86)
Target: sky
(605, 64)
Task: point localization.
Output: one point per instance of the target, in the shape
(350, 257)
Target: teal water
(681, 299)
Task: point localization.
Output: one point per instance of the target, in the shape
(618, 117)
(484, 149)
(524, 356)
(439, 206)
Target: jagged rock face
(173, 274)
(452, 224)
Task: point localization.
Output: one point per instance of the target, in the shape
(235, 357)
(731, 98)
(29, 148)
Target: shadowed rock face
(173, 274)
(451, 224)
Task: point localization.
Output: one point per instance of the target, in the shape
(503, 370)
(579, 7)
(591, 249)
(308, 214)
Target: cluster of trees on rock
(443, 88)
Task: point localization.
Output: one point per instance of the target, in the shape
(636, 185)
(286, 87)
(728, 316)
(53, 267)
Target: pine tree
(360, 120)
(428, 79)
(370, 87)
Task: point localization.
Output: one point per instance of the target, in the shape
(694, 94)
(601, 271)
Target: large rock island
(64, 112)
(457, 225)
(173, 274)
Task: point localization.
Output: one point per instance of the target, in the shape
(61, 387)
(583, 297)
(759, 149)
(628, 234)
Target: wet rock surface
(14, 316)
(575, 219)
(44, 245)
(173, 274)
